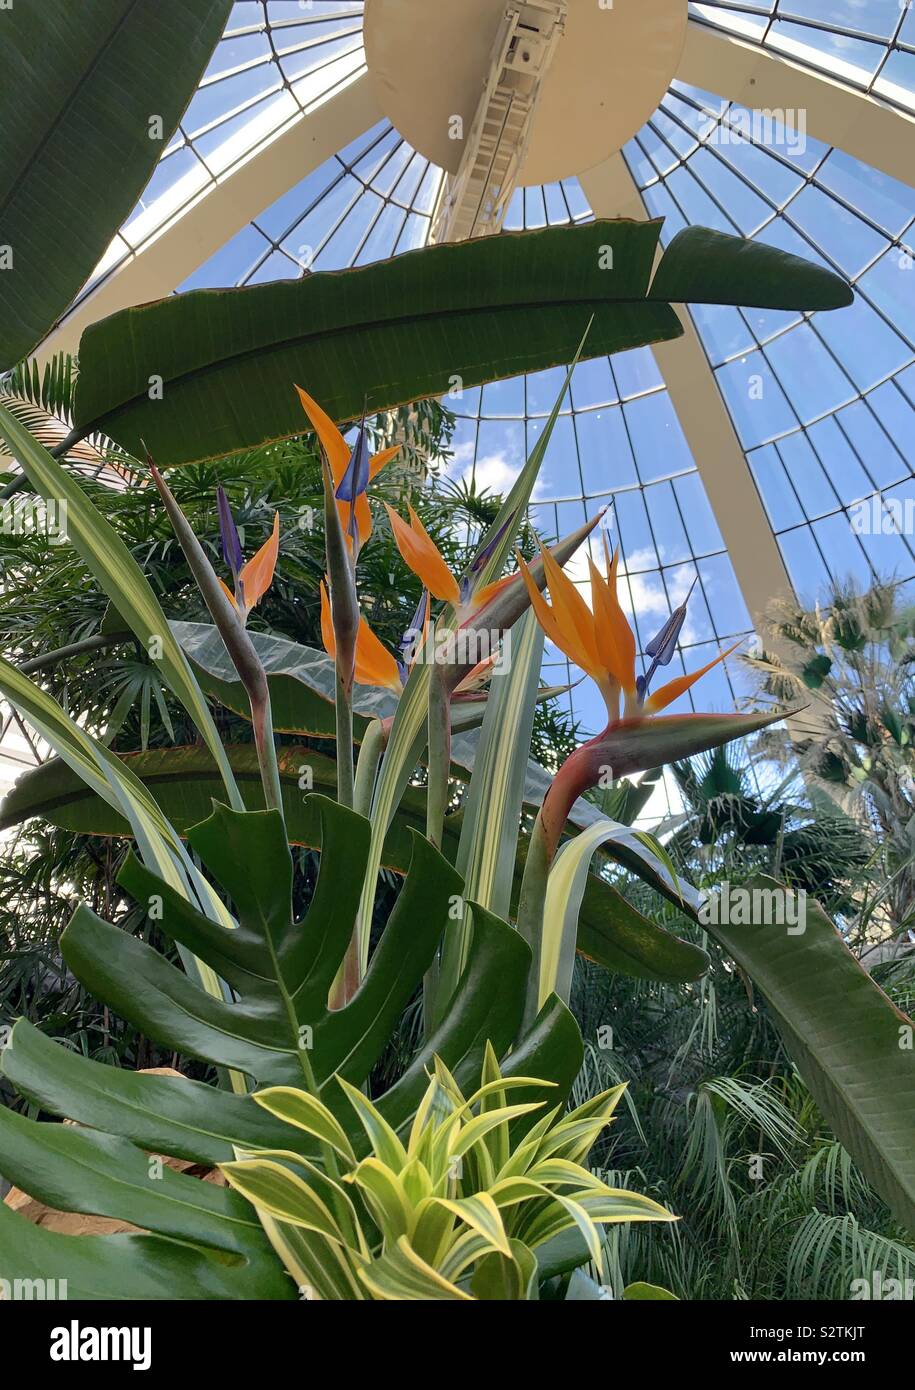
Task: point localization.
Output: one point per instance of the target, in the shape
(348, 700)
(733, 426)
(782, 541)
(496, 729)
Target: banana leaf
(854, 1048)
(84, 90)
(403, 329)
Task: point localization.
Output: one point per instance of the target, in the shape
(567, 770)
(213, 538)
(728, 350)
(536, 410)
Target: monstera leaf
(275, 1027)
(184, 781)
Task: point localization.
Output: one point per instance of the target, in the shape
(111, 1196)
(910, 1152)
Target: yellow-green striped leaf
(120, 577)
(400, 1275)
(306, 1112)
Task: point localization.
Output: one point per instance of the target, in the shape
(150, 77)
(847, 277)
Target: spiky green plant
(853, 658)
(455, 1212)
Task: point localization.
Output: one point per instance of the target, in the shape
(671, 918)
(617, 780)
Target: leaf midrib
(260, 351)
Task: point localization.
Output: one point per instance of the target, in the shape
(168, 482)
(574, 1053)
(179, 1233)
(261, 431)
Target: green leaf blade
(78, 145)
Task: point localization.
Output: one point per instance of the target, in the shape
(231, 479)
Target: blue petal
(662, 647)
(413, 635)
(484, 554)
(232, 552)
(355, 480)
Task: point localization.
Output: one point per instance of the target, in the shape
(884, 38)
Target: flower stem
(262, 721)
(344, 729)
(439, 754)
(345, 614)
(349, 976)
(580, 771)
(439, 735)
(373, 745)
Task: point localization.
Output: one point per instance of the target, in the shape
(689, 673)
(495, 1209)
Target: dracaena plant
(454, 1209)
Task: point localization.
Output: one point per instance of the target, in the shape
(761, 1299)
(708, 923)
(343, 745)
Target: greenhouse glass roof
(868, 43)
(284, 163)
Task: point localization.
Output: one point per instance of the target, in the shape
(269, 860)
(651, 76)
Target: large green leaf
(492, 810)
(82, 88)
(370, 338)
(702, 266)
(69, 1167)
(130, 1266)
(650, 1293)
(568, 880)
(488, 843)
(852, 1046)
(399, 330)
(281, 971)
(302, 682)
(184, 783)
(164, 1114)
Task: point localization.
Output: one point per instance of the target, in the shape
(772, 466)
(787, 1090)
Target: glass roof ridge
(818, 40)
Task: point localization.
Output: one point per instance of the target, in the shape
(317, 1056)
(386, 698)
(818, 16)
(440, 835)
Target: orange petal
(477, 678)
(257, 575)
(570, 610)
(378, 462)
(675, 688)
(566, 641)
(423, 557)
(327, 625)
(335, 446)
(482, 596)
(228, 592)
(363, 518)
(374, 663)
(614, 637)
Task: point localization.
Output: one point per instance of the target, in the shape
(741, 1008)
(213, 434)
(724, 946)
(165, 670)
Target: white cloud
(644, 593)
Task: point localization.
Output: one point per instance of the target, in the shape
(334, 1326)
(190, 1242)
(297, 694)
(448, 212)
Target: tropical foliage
(852, 657)
(352, 904)
(458, 1211)
(718, 1124)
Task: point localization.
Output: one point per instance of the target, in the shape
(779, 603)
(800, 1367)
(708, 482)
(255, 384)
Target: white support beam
(703, 415)
(222, 210)
(761, 79)
(473, 202)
